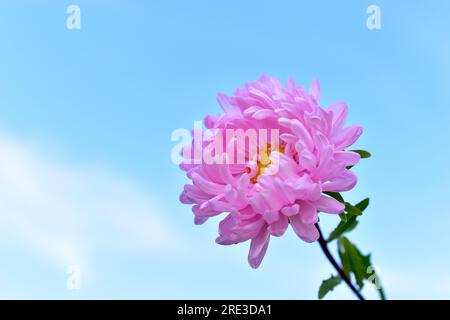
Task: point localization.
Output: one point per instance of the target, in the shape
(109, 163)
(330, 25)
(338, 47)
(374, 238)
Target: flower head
(265, 181)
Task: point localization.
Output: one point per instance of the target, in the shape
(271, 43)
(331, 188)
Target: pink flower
(285, 183)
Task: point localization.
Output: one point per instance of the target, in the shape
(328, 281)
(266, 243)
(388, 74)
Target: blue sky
(85, 123)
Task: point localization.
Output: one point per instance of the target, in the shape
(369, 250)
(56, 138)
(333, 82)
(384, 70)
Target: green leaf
(363, 153)
(344, 226)
(345, 260)
(335, 195)
(353, 210)
(363, 204)
(328, 285)
(353, 261)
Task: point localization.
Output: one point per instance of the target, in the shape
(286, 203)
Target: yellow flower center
(264, 160)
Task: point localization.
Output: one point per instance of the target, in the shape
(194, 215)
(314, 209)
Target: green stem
(381, 293)
(323, 244)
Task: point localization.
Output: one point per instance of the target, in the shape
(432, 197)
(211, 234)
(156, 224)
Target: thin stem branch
(326, 251)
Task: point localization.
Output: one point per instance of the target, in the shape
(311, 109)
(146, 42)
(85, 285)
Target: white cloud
(65, 215)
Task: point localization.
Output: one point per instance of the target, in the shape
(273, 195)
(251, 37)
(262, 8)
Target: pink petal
(226, 105)
(206, 185)
(270, 216)
(308, 213)
(306, 189)
(263, 114)
(184, 198)
(329, 205)
(279, 227)
(347, 137)
(199, 220)
(306, 232)
(348, 158)
(258, 248)
(339, 111)
(290, 211)
(344, 182)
